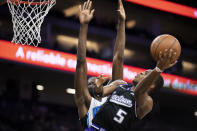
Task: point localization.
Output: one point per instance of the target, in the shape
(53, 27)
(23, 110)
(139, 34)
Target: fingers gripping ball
(163, 42)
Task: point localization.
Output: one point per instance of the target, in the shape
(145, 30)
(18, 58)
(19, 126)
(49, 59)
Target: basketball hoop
(27, 18)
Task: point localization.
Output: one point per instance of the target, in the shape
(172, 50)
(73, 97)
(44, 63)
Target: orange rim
(17, 2)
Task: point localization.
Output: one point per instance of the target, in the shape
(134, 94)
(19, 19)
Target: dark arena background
(37, 83)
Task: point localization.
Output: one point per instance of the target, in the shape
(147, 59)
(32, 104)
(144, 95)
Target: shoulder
(144, 106)
(148, 103)
(144, 101)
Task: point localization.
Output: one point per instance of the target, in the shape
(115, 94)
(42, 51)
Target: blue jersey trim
(95, 128)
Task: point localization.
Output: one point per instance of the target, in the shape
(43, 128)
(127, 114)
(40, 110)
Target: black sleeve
(84, 122)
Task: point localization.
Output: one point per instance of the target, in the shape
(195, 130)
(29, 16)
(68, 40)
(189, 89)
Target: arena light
(128, 53)
(40, 87)
(188, 66)
(130, 24)
(195, 113)
(70, 91)
(168, 7)
(74, 10)
(70, 42)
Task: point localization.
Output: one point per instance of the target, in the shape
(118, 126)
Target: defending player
(84, 97)
(126, 105)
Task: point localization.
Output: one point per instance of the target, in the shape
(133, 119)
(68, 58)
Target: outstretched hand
(121, 11)
(85, 12)
(167, 59)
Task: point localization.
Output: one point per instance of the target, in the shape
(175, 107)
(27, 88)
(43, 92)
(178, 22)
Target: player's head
(94, 82)
(158, 83)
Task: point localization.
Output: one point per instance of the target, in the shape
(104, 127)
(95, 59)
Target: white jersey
(95, 105)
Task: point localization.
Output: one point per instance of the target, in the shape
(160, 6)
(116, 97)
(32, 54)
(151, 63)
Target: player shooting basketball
(126, 105)
(87, 91)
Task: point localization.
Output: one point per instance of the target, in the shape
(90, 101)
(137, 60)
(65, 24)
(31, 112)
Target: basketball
(163, 42)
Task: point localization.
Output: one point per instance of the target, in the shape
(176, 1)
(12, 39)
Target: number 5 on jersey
(120, 116)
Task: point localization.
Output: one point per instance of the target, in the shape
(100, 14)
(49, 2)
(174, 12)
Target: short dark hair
(91, 85)
(158, 84)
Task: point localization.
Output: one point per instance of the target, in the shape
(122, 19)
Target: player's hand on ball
(85, 12)
(166, 59)
(121, 11)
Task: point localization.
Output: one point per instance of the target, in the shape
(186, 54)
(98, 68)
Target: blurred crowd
(23, 115)
(18, 115)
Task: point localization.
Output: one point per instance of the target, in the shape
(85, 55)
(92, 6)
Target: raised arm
(108, 90)
(165, 62)
(82, 96)
(143, 100)
(118, 56)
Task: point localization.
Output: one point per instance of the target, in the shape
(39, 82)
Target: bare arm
(145, 84)
(117, 67)
(82, 96)
(165, 62)
(101, 91)
(118, 57)
(111, 87)
(144, 105)
(143, 100)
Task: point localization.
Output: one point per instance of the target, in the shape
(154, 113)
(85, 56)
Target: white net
(27, 18)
